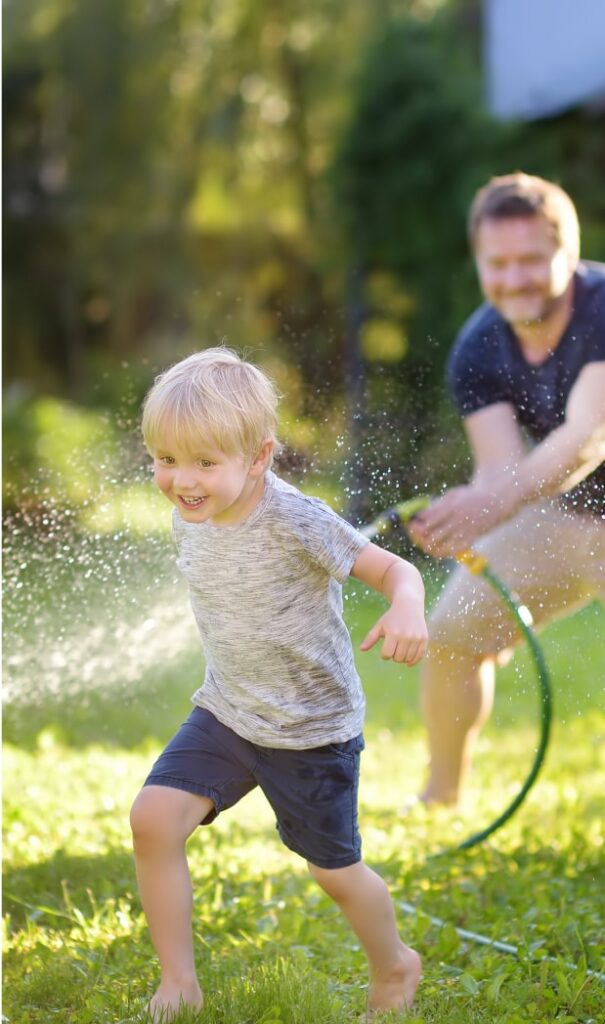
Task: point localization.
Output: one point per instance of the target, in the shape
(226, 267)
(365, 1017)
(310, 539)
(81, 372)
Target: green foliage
(163, 180)
(56, 453)
(404, 176)
(94, 195)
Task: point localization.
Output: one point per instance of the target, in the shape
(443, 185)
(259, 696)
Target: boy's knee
(143, 815)
(149, 816)
(161, 814)
(336, 882)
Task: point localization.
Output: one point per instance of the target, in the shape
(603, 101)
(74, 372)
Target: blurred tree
(93, 194)
(163, 181)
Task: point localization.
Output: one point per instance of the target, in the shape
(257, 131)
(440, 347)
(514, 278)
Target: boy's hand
(404, 633)
(402, 627)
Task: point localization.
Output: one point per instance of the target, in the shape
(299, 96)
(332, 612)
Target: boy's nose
(185, 479)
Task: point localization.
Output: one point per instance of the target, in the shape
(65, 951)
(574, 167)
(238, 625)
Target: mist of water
(85, 611)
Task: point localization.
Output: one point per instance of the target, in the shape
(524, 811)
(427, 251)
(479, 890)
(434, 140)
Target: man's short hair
(525, 195)
(215, 397)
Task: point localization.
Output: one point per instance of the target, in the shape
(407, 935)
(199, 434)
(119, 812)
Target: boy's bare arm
(403, 627)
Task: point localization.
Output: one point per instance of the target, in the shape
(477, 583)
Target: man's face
(524, 274)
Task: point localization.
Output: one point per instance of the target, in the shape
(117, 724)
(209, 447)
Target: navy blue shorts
(313, 792)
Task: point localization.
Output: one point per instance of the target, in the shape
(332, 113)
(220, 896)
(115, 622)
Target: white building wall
(543, 56)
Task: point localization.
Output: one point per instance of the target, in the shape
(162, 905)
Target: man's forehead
(514, 233)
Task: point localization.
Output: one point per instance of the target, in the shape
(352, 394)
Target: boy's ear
(261, 461)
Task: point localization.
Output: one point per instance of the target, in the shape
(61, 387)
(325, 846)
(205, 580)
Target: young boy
(281, 706)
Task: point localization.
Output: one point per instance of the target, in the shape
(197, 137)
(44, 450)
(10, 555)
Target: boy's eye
(205, 463)
(166, 460)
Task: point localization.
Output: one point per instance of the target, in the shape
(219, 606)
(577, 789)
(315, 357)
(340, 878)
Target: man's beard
(549, 306)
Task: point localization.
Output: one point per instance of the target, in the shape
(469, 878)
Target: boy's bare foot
(395, 990)
(170, 999)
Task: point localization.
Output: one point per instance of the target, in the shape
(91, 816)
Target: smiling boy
(281, 706)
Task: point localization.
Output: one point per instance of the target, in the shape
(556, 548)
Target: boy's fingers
(372, 638)
(389, 649)
(409, 653)
(401, 654)
(406, 652)
(417, 652)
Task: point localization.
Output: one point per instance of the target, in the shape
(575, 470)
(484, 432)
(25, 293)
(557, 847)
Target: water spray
(479, 566)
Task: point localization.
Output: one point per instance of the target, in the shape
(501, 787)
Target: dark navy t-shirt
(487, 366)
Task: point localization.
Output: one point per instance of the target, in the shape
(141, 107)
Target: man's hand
(455, 521)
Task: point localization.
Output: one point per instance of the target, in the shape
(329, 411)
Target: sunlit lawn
(270, 947)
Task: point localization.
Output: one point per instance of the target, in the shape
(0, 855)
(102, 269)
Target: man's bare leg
(457, 698)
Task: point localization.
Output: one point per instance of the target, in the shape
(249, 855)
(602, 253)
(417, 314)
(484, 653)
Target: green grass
(271, 948)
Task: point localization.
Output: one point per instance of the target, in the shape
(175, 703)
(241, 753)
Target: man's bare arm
(573, 450)
(495, 440)
(505, 479)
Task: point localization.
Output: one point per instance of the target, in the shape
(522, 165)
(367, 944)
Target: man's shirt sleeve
(475, 378)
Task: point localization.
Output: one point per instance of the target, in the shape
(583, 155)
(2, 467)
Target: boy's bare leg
(365, 901)
(162, 819)
(457, 698)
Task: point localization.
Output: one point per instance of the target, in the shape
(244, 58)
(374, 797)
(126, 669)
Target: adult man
(531, 361)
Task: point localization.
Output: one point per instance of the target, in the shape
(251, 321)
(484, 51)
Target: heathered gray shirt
(267, 599)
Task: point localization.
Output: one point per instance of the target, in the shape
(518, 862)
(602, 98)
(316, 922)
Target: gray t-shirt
(267, 599)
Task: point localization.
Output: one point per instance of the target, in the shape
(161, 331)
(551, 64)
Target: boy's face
(208, 485)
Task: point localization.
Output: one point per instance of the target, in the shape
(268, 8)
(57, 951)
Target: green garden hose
(478, 565)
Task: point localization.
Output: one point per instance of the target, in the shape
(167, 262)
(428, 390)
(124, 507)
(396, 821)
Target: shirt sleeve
(327, 539)
(593, 315)
(472, 370)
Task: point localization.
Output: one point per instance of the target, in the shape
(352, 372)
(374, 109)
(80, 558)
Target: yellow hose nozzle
(472, 561)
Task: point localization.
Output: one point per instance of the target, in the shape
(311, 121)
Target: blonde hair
(214, 396)
(526, 195)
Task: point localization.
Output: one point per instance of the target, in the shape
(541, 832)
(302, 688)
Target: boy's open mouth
(191, 502)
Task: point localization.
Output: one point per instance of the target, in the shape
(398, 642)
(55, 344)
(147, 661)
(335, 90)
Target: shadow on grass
(57, 889)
